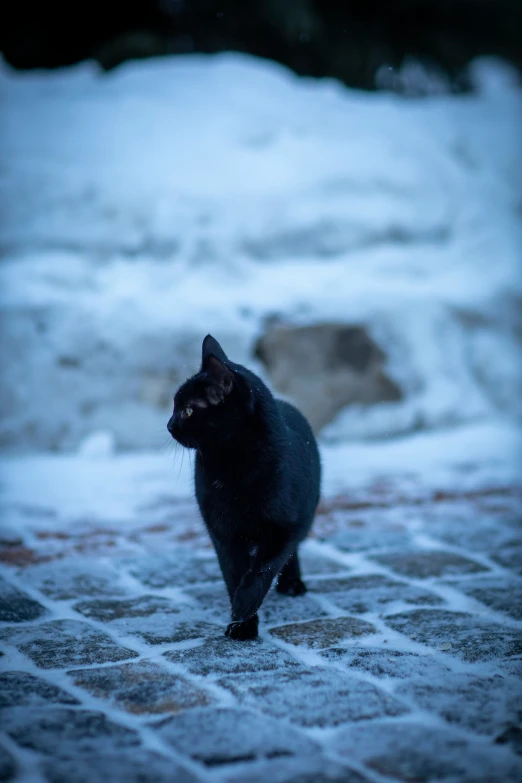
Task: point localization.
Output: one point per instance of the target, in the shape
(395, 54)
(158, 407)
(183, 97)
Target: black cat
(258, 478)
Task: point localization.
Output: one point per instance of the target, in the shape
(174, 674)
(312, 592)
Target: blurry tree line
(351, 40)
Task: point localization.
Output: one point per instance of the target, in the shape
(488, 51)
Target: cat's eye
(187, 412)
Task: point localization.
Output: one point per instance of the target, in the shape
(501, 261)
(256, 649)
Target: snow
(146, 207)
(80, 490)
(465, 458)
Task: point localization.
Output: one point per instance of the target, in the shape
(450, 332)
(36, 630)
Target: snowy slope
(97, 490)
(170, 198)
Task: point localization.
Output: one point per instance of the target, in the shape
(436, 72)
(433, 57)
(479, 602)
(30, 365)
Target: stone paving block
(369, 532)
(423, 564)
(512, 737)
(135, 766)
(60, 643)
(141, 688)
(387, 663)
(65, 731)
(509, 555)
(495, 537)
(155, 619)
(318, 634)
(318, 563)
(226, 736)
(320, 697)
(176, 632)
(511, 666)
(175, 570)
(275, 610)
(500, 593)
(16, 606)
(223, 656)
(7, 765)
(24, 689)
(416, 753)
(75, 577)
(372, 593)
(307, 769)
(212, 600)
(107, 610)
(484, 704)
(464, 635)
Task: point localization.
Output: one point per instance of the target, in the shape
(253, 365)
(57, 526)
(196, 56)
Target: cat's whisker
(181, 466)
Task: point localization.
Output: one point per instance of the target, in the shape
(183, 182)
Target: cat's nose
(170, 425)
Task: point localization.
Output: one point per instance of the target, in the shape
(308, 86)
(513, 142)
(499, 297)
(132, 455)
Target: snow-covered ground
(98, 490)
(146, 207)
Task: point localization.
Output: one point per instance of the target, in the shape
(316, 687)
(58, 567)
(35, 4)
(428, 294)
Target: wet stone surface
(76, 577)
(23, 689)
(425, 754)
(171, 632)
(66, 730)
(278, 609)
(372, 593)
(502, 594)
(498, 536)
(176, 570)
(115, 666)
(387, 663)
(16, 606)
(486, 705)
(314, 697)
(307, 769)
(511, 666)
(512, 736)
(134, 766)
(7, 764)
(108, 610)
(419, 564)
(366, 531)
(313, 563)
(155, 619)
(509, 555)
(141, 688)
(323, 633)
(223, 656)
(212, 600)
(463, 635)
(221, 736)
(60, 643)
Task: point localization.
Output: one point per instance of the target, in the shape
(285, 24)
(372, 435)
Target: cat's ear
(220, 377)
(211, 347)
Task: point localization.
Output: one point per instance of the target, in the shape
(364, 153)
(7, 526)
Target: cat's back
(303, 444)
(294, 419)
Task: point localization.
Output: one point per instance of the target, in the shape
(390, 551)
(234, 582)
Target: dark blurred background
(347, 40)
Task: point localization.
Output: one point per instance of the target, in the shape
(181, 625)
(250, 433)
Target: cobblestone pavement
(401, 663)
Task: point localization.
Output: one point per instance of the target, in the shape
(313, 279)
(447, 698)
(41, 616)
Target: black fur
(258, 479)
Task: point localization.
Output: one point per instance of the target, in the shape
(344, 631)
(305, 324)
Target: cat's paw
(295, 587)
(241, 631)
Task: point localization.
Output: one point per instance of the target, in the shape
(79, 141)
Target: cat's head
(214, 405)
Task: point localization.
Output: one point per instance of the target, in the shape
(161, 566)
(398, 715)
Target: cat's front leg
(243, 630)
(234, 558)
(255, 585)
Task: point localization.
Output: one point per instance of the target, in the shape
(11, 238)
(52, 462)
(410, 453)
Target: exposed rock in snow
(325, 367)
